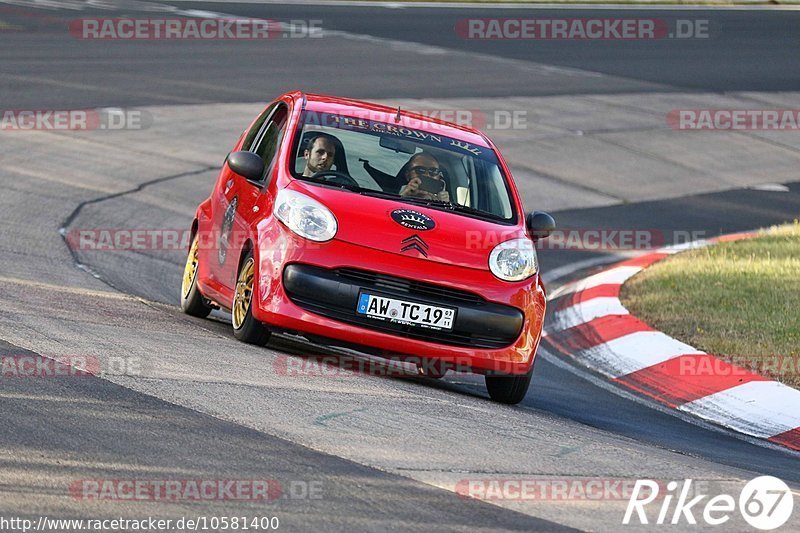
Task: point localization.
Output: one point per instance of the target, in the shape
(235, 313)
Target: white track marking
(758, 408)
(585, 311)
(770, 187)
(677, 248)
(629, 353)
(612, 276)
(603, 383)
(556, 274)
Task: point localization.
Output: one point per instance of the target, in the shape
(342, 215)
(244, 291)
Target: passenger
(319, 154)
(422, 165)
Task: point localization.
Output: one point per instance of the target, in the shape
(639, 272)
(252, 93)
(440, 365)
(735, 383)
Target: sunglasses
(427, 171)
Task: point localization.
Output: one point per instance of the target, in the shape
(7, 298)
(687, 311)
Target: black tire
(192, 301)
(245, 327)
(508, 389)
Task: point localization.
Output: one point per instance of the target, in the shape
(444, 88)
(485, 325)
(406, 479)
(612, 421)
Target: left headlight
(305, 216)
(514, 260)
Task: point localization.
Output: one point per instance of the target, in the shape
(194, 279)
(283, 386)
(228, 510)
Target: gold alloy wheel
(244, 293)
(190, 270)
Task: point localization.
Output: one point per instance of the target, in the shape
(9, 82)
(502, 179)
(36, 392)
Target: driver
(319, 155)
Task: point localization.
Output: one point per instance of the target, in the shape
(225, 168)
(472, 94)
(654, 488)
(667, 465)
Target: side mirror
(246, 164)
(540, 225)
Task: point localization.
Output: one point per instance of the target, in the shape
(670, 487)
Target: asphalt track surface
(745, 51)
(570, 424)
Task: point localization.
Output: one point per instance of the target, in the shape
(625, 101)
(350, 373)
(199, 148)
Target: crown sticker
(411, 219)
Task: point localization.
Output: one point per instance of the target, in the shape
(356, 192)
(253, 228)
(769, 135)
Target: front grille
(411, 287)
(333, 293)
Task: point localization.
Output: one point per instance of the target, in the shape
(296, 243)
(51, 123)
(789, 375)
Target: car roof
(381, 113)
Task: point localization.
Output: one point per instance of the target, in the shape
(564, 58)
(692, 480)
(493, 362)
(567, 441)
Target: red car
(352, 223)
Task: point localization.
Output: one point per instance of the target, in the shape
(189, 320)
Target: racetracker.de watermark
(192, 29)
(104, 119)
(494, 119)
(581, 29)
(764, 502)
(195, 490)
(546, 489)
(127, 239)
(423, 119)
(36, 366)
(166, 239)
(336, 366)
(590, 239)
(734, 119)
(774, 366)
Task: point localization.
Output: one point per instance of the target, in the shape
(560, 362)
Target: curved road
(180, 399)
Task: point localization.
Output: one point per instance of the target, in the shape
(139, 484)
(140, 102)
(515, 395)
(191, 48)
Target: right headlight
(305, 216)
(514, 260)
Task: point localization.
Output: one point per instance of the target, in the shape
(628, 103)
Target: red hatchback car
(356, 224)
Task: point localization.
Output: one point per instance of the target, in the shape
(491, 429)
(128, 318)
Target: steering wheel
(337, 178)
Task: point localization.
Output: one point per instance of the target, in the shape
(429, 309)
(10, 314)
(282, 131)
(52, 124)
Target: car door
(214, 258)
(242, 197)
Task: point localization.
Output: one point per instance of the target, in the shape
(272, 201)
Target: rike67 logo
(765, 503)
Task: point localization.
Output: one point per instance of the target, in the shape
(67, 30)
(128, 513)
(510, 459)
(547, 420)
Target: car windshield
(379, 158)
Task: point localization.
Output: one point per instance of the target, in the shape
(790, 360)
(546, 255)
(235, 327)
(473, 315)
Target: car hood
(455, 239)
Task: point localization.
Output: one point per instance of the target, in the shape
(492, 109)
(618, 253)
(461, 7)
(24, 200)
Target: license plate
(403, 312)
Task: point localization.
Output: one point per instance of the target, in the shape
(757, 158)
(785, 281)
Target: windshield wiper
(417, 201)
(380, 194)
(463, 209)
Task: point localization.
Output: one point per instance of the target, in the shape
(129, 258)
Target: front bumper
(333, 293)
(313, 290)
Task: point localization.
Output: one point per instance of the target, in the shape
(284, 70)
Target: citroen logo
(415, 242)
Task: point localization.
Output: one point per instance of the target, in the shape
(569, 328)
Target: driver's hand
(411, 188)
(444, 196)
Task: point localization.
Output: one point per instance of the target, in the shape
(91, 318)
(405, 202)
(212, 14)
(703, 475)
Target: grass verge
(739, 301)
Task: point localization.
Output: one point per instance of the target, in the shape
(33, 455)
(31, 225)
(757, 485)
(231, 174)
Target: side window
(267, 146)
(254, 131)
